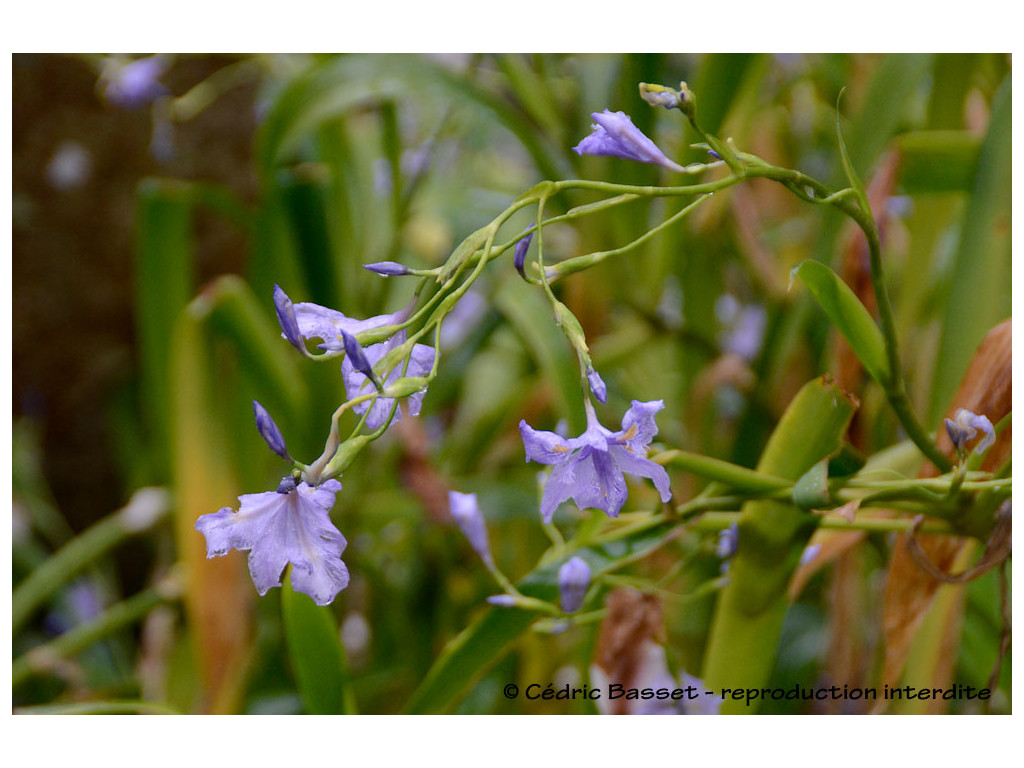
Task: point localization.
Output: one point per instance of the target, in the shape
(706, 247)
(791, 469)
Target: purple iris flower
(289, 525)
(590, 468)
(305, 321)
(614, 134)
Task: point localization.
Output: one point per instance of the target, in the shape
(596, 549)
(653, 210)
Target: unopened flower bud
(355, 354)
(502, 601)
(573, 583)
(597, 385)
(286, 318)
(466, 513)
(519, 259)
(388, 268)
(269, 432)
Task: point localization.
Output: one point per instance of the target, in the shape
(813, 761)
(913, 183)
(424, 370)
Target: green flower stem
(712, 522)
(579, 263)
(100, 708)
(732, 475)
(45, 657)
(895, 386)
(139, 516)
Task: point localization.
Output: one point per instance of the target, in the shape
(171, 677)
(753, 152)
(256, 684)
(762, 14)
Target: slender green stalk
(74, 641)
(147, 507)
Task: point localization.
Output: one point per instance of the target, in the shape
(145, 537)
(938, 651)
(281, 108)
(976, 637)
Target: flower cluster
(292, 525)
(308, 322)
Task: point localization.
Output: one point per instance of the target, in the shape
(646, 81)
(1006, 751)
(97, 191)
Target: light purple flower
(466, 513)
(614, 134)
(573, 583)
(590, 468)
(304, 321)
(289, 525)
(133, 84)
(963, 427)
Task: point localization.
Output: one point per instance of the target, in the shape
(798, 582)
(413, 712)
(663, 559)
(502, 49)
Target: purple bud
(614, 134)
(286, 318)
(728, 540)
(573, 582)
(502, 601)
(388, 268)
(269, 431)
(355, 354)
(466, 512)
(520, 254)
(597, 385)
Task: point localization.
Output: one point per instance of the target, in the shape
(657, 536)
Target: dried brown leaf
(910, 591)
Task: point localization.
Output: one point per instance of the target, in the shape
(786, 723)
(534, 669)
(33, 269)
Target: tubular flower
(590, 468)
(289, 525)
(614, 134)
(305, 321)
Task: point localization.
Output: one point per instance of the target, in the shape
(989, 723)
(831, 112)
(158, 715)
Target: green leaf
(979, 292)
(164, 267)
(771, 537)
(848, 314)
(938, 161)
(849, 170)
(316, 654)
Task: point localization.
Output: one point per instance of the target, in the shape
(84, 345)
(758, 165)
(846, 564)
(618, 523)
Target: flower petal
(637, 465)
(544, 447)
(639, 427)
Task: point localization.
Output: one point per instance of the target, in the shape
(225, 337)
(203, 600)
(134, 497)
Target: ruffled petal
(639, 427)
(281, 528)
(636, 465)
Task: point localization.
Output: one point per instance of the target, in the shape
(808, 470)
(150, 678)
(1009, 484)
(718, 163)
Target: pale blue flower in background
(132, 84)
(289, 525)
(590, 468)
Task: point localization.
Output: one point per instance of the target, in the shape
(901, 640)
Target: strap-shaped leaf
(847, 313)
(316, 654)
